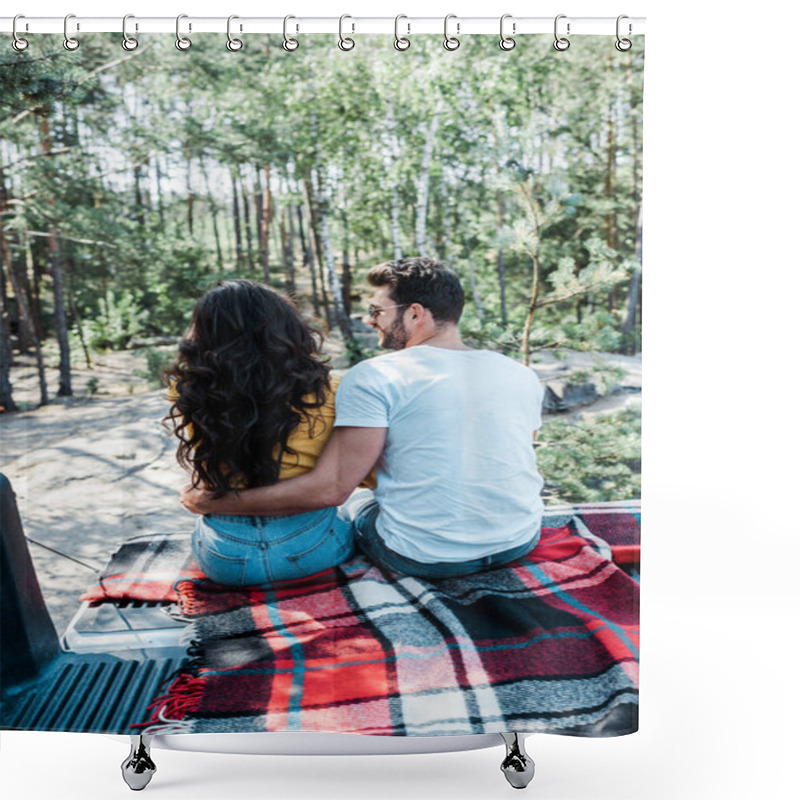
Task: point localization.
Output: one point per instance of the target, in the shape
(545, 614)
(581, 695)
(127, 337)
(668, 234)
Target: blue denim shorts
(256, 551)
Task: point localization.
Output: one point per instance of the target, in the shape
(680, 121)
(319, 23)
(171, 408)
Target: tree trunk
(397, 250)
(287, 247)
(62, 328)
(57, 273)
(473, 278)
(190, 196)
(77, 319)
(612, 238)
(391, 160)
(526, 332)
(138, 199)
(264, 221)
(248, 230)
(341, 318)
(6, 357)
(633, 299)
(160, 193)
(347, 277)
(34, 277)
(27, 323)
(447, 230)
(6, 393)
(214, 211)
(308, 261)
(501, 263)
(237, 223)
(23, 280)
(633, 290)
(498, 223)
(423, 184)
(316, 248)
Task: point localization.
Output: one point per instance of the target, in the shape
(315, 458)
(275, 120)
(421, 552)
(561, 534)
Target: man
(450, 428)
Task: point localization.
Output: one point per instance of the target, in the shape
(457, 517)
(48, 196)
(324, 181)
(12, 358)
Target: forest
(130, 182)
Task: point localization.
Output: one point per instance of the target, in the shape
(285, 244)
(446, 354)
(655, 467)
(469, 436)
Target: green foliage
(488, 334)
(592, 459)
(117, 320)
(520, 165)
(92, 385)
(179, 272)
(603, 377)
(157, 360)
(355, 351)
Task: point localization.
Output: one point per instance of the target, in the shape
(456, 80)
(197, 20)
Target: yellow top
(309, 438)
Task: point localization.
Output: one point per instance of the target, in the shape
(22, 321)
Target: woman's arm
(346, 460)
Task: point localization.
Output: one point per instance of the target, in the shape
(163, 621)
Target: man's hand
(198, 501)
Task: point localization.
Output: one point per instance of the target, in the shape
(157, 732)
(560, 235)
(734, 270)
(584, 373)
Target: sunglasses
(373, 312)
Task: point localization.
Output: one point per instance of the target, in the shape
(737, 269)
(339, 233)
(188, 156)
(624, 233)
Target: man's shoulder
(504, 361)
(371, 369)
(505, 370)
(378, 363)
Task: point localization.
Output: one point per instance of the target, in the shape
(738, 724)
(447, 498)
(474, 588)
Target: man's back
(457, 479)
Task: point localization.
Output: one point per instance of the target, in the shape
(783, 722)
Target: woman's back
(252, 404)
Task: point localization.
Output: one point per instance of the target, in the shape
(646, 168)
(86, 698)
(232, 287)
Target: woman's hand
(198, 501)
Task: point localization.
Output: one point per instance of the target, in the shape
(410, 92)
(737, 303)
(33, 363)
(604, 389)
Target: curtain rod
(405, 25)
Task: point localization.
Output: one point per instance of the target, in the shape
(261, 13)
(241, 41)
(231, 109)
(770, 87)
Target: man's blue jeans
(362, 509)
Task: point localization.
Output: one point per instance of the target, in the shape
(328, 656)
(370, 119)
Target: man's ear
(417, 311)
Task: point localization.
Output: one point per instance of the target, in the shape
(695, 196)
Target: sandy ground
(93, 470)
(89, 472)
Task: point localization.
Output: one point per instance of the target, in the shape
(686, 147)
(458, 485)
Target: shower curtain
(132, 179)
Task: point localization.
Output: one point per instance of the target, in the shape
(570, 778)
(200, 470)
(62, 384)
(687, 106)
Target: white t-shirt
(457, 479)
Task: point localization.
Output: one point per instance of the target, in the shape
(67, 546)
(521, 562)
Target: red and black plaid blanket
(547, 644)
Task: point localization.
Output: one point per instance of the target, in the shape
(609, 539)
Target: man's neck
(447, 337)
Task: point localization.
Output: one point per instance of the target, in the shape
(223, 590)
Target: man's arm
(347, 458)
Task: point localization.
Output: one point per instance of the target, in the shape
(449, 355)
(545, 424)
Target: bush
(119, 318)
(156, 360)
(592, 459)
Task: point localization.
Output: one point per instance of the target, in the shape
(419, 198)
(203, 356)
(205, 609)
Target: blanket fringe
(187, 597)
(189, 635)
(181, 700)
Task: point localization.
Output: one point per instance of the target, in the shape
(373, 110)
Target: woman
(253, 404)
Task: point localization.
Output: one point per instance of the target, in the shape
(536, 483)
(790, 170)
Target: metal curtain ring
(181, 42)
(401, 42)
(70, 42)
(345, 42)
(621, 44)
(561, 43)
(128, 42)
(451, 42)
(289, 44)
(506, 42)
(18, 43)
(234, 45)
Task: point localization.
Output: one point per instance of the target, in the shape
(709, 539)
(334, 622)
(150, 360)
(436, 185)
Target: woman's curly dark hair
(248, 372)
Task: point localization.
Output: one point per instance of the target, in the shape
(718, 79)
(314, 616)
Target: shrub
(591, 459)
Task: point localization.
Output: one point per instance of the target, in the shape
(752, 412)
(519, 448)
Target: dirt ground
(92, 470)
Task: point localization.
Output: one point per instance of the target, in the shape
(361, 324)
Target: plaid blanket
(148, 567)
(547, 644)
